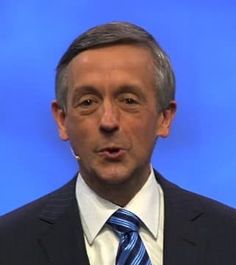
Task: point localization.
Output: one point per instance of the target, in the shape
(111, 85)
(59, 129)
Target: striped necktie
(131, 248)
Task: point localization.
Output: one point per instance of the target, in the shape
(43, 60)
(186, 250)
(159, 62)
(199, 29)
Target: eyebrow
(128, 88)
(86, 89)
(131, 89)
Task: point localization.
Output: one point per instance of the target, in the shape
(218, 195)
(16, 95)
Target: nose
(109, 122)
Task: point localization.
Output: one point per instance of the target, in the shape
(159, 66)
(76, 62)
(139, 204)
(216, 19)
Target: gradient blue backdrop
(200, 38)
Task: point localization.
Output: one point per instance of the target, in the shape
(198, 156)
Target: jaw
(115, 181)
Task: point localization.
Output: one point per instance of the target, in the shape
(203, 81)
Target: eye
(87, 102)
(130, 101)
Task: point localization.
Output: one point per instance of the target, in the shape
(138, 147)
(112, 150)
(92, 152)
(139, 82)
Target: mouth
(112, 153)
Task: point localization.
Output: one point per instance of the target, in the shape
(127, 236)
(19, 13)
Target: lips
(112, 153)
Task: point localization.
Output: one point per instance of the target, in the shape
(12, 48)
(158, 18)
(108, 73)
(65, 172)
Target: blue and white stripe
(131, 248)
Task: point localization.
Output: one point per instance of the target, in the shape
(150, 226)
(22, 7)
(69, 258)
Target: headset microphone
(77, 157)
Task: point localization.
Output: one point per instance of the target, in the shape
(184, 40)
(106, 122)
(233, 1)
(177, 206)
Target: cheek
(76, 130)
(142, 132)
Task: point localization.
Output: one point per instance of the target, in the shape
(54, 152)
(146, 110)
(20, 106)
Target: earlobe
(165, 120)
(59, 116)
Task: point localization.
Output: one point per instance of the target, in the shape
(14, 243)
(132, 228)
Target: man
(114, 98)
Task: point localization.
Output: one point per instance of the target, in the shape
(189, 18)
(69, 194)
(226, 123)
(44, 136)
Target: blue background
(199, 36)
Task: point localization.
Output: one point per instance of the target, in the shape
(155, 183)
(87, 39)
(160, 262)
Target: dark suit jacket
(197, 230)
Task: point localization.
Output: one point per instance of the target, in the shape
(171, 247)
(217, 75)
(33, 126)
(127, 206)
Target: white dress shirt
(101, 242)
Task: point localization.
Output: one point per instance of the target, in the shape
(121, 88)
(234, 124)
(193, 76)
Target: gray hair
(119, 33)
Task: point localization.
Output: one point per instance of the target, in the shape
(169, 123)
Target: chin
(113, 175)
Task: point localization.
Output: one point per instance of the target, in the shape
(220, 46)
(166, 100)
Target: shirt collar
(95, 211)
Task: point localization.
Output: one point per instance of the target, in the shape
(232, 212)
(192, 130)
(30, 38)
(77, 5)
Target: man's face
(112, 119)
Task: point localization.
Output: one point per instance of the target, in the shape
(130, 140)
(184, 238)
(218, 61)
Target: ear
(60, 116)
(165, 120)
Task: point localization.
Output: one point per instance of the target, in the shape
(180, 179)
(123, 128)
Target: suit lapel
(62, 239)
(181, 242)
(63, 242)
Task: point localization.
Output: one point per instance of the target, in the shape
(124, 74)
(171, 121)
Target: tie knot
(123, 221)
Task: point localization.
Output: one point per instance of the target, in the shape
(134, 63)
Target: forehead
(127, 52)
(112, 69)
(129, 58)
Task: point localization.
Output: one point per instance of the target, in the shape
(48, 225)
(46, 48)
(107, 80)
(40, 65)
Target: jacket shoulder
(28, 213)
(189, 201)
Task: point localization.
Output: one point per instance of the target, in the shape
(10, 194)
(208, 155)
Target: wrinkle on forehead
(110, 62)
